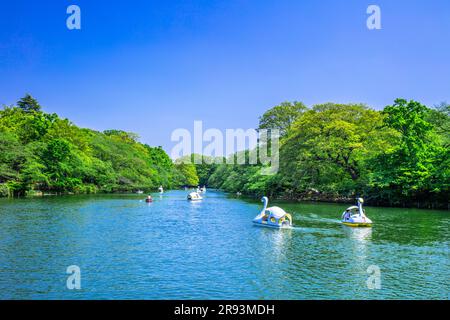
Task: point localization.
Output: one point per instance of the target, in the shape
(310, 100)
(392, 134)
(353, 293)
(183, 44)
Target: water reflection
(362, 235)
(357, 248)
(281, 242)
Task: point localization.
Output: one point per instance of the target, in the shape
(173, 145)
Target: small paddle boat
(194, 196)
(161, 189)
(149, 199)
(355, 216)
(274, 217)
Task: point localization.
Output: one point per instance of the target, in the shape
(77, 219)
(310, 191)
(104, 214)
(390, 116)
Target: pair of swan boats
(276, 217)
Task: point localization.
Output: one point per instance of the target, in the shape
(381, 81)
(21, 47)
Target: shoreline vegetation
(396, 157)
(330, 152)
(40, 152)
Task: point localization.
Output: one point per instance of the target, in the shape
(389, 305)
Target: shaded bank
(329, 198)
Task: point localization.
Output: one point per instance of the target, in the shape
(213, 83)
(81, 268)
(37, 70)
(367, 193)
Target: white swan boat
(274, 217)
(161, 189)
(194, 196)
(355, 216)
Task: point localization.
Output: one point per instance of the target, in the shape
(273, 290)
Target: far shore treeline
(42, 153)
(330, 152)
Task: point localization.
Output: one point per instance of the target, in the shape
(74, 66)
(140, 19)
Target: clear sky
(153, 66)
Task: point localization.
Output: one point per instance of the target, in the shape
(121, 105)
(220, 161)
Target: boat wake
(315, 218)
(316, 231)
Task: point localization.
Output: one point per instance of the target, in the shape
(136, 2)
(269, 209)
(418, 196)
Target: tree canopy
(334, 152)
(42, 152)
(397, 156)
(29, 104)
(282, 116)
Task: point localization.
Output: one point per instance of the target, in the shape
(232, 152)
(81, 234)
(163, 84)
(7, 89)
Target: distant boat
(161, 189)
(139, 192)
(194, 196)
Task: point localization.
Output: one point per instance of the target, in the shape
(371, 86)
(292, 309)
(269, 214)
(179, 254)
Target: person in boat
(149, 198)
(347, 214)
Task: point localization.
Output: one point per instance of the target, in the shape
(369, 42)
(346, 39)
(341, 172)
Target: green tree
(338, 135)
(414, 167)
(29, 104)
(282, 116)
(129, 137)
(185, 174)
(12, 157)
(439, 117)
(41, 151)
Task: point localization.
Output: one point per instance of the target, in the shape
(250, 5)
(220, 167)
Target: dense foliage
(335, 152)
(397, 156)
(42, 152)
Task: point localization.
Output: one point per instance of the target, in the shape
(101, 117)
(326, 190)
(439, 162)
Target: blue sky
(153, 66)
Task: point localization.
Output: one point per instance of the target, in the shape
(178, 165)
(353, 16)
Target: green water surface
(175, 249)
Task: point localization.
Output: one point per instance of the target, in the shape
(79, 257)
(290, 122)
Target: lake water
(175, 249)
